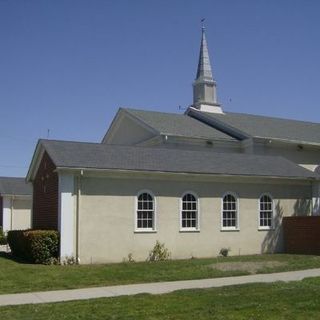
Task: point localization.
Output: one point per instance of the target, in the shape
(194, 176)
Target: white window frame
(272, 217)
(237, 227)
(197, 228)
(145, 230)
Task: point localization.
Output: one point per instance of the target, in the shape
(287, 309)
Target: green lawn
(20, 277)
(294, 300)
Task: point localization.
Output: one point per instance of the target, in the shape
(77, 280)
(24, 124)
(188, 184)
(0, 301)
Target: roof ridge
(153, 111)
(271, 117)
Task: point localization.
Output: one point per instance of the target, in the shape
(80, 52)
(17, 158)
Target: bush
(37, 246)
(159, 252)
(224, 252)
(3, 238)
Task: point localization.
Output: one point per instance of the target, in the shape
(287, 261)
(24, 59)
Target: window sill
(189, 230)
(265, 228)
(229, 229)
(145, 231)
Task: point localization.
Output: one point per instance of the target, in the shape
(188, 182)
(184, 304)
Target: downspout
(78, 217)
(11, 212)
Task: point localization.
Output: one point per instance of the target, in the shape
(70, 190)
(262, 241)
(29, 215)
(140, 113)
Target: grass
(294, 301)
(22, 277)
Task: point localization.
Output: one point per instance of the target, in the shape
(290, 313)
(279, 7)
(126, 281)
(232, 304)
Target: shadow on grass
(9, 256)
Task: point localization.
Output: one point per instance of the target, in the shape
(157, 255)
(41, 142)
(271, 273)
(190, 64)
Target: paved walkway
(152, 288)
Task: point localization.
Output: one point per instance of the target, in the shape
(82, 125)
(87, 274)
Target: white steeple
(204, 86)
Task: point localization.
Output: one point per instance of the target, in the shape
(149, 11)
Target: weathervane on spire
(202, 23)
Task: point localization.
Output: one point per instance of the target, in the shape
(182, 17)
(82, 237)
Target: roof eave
(39, 150)
(287, 141)
(16, 195)
(82, 169)
(199, 137)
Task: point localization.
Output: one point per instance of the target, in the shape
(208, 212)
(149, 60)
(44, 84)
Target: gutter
(115, 170)
(11, 212)
(26, 196)
(78, 193)
(285, 141)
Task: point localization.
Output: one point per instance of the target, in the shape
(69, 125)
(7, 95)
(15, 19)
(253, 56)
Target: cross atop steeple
(204, 86)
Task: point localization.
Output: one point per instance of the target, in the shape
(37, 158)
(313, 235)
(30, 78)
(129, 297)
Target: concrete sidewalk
(152, 288)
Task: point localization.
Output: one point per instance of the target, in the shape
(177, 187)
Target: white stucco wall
(107, 217)
(21, 214)
(129, 132)
(6, 217)
(16, 213)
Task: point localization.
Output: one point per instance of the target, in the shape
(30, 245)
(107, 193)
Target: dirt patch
(250, 266)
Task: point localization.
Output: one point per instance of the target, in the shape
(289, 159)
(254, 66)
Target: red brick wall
(45, 196)
(1, 212)
(302, 235)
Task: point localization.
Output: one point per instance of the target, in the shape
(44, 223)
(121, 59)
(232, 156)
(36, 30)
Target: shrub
(68, 261)
(37, 246)
(224, 252)
(3, 238)
(159, 252)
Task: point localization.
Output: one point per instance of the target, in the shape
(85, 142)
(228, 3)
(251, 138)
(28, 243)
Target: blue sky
(67, 66)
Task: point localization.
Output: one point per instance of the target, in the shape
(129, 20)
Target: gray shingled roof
(101, 156)
(268, 127)
(177, 125)
(14, 186)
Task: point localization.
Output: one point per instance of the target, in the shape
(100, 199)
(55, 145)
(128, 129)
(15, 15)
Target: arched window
(145, 212)
(265, 212)
(229, 212)
(189, 212)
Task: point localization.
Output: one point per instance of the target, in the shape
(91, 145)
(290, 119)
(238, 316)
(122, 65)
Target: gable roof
(269, 127)
(81, 155)
(14, 186)
(173, 124)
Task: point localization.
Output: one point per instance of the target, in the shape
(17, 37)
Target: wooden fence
(302, 235)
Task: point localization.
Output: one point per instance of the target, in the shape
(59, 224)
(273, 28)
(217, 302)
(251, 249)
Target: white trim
(197, 229)
(209, 108)
(237, 227)
(66, 216)
(35, 162)
(145, 230)
(266, 228)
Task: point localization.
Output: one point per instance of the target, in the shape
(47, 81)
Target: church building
(198, 182)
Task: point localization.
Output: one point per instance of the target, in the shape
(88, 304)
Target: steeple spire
(204, 86)
(204, 67)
